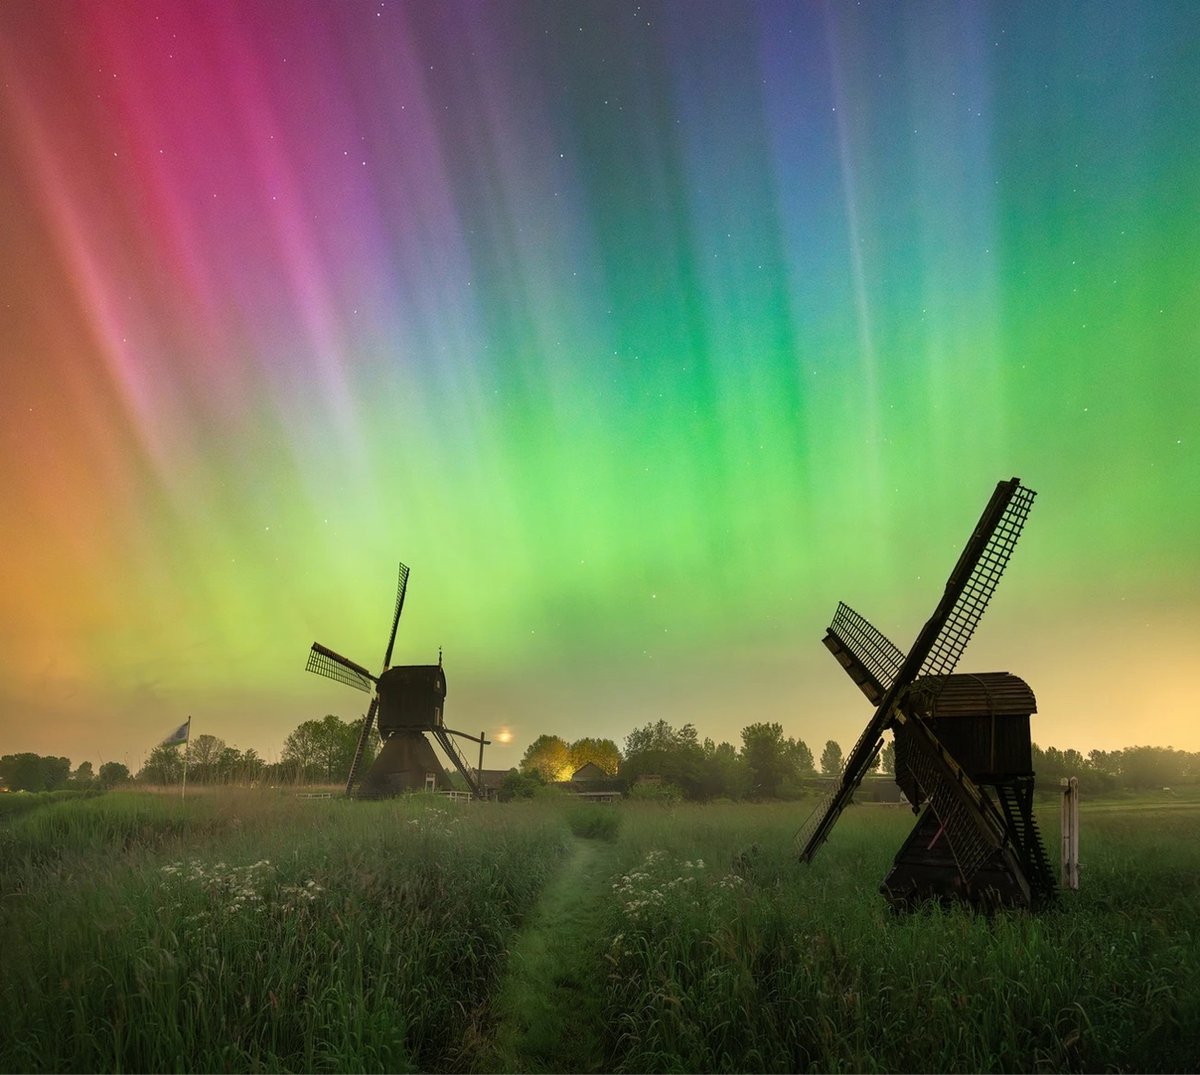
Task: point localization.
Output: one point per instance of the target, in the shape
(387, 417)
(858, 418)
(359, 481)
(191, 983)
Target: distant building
(593, 783)
(589, 774)
(490, 781)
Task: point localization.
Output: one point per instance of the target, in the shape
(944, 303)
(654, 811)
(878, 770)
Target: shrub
(655, 793)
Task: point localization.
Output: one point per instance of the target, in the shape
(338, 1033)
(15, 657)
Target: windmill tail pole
(1070, 832)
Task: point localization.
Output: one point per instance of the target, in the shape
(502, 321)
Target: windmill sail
(401, 587)
(869, 657)
(324, 662)
(972, 599)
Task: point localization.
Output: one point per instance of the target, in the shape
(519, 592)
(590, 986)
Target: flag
(179, 735)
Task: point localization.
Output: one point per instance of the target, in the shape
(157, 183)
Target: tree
(301, 750)
(163, 766)
(83, 776)
(518, 785)
(111, 774)
(33, 772)
(723, 773)
(831, 759)
(770, 758)
(804, 758)
(660, 750)
(1152, 767)
(250, 767)
(321, 750)
(204, 759)
(229, 761)
(602, 753)
(335, 747)
(887, 759)
(550, 756)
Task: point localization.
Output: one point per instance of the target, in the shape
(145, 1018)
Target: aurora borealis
(643, 333)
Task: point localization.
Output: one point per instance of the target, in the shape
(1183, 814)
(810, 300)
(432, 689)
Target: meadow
(262, 931)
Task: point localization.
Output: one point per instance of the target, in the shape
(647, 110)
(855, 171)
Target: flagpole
(186, 743)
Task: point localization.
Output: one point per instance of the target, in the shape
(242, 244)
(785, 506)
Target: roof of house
(492, 778)
(589, 771)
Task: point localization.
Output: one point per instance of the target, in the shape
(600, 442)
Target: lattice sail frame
(325, 662)
(973, 599)
(879, 656)
(401, 589)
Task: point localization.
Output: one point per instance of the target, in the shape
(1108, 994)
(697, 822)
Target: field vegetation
(261, 931)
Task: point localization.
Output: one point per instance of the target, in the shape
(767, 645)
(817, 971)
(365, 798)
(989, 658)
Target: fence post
(1070, 832)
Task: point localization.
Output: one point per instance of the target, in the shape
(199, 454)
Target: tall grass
(727, 955)
(258, 931)
(330, 936)
(16, 803)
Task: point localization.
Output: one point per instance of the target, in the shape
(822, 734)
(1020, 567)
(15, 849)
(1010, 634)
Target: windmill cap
(968, 694)
(432, 676)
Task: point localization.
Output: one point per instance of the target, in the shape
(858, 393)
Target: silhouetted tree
(723, 773)
(34, 772)
(301, 750)
(660, 750)
(770, 758)
(204, 754)
(887, 758)
(804, 758)
(518, 785)
(163, 766)
(83, 777)
(831, 759)
(1150, 767)
(112, 773)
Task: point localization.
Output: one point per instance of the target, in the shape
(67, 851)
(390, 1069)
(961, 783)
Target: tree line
(316, 752)
(769, 765)
(658, 759)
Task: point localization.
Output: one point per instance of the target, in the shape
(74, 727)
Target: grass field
(258, 931)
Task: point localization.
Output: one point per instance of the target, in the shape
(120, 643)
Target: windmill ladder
(468, 774)
(364, 735)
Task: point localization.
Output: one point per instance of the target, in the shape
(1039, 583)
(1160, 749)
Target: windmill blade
(946, 633)
(401, 587)
(869, 657)
(996, 537)
(324, 662)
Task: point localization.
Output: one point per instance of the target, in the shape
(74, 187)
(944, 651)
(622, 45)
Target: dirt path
(549, 1004)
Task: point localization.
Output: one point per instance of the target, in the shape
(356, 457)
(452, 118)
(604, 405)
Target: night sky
(643, 333)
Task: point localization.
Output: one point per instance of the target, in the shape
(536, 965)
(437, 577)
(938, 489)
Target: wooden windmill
(963, 754)
(407, 703)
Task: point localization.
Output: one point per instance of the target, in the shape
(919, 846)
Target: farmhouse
(593, 783)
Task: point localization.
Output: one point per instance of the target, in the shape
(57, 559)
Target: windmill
(407, 702)
(963, 754)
